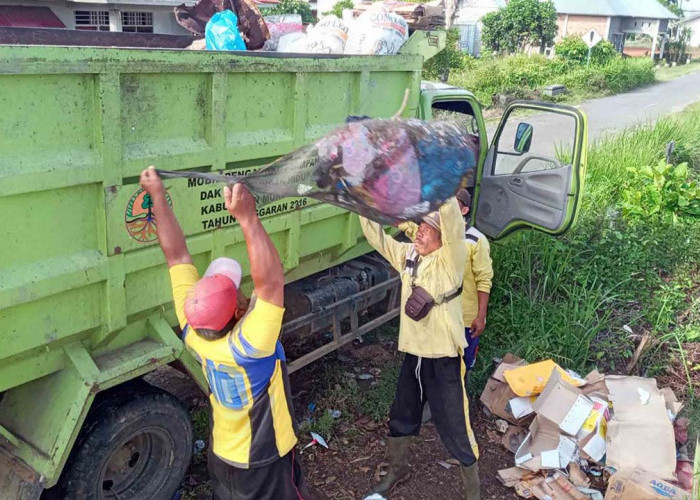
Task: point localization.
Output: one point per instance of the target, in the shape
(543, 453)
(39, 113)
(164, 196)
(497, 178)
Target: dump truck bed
(84, 290)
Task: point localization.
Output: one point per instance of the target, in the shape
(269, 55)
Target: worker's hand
(151, 183)
(239, 202)
(478, 326)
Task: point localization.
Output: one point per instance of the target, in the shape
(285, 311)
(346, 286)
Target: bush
(339, 7)
(523, 76)
(574, 49)
(300, 7)
(449, 59)
(663, 190)
(568, 298)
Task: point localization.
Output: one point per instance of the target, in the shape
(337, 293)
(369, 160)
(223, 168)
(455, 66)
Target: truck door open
(534, 170)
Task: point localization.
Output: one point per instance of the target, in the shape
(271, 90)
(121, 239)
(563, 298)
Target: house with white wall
(693, 22)
(135, 16)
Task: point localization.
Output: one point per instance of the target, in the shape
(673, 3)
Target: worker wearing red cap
(251, 454)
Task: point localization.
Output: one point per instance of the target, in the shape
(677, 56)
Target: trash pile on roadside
(369, 29)
(569, 434)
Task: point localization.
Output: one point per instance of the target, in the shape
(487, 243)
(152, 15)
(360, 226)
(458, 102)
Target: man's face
(427, 239)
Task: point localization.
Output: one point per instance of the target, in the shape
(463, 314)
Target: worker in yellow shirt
(478, 274)
(431, 335)
(251, 454)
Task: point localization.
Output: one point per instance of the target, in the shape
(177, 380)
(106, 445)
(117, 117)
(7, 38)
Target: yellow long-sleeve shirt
(441, 332)
(478, 269)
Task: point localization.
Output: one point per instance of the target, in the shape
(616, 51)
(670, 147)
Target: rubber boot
(472, 484)
(398, 465)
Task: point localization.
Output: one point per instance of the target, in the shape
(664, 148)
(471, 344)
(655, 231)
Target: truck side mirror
(523, 138)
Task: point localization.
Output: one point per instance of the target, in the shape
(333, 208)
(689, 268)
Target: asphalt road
(614, 113)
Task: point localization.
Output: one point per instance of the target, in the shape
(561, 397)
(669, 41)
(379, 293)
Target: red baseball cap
(213, 300)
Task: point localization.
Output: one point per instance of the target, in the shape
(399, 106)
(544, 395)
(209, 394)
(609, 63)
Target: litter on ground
(570, 435)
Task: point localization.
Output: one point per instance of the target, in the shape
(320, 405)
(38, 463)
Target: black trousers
(281, 480)
(440, 382)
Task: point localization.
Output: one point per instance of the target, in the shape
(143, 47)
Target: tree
(300, 7)
(673, 6)
(339, 7)
(519, 24)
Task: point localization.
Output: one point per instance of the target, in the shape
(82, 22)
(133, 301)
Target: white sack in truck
(377, 31)
(327, 37)
(280, 26)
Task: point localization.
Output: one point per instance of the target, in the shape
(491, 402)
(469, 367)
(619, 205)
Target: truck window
(526, 142)
(459, 112)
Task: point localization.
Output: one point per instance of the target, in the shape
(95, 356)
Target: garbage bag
(280, 26)
(294, 42)
(251, 24)
(386, 170)
(222, 32)
(327, 37)
(377, 31)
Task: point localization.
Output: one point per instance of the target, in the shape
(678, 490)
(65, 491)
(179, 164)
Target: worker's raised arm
(452, 233)
(393, 251)
(170, 235)
(265, 264)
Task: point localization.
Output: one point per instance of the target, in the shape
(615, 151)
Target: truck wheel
(135, 444)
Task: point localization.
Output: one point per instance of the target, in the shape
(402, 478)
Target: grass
(568, 299)
(665, 73)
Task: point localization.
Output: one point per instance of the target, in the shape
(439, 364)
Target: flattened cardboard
(556, 487)
(513, 438)
(641, 485)
(672, 403)
(544, 447)
(563, 404)
(595, 385)
(640, 435)
(497, 395)
(511, 477)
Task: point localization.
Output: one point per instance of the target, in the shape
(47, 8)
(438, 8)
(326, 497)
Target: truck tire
(135, 444)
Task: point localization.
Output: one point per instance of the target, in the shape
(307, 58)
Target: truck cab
(531, 173)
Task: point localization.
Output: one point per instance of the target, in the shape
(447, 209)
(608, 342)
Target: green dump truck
(85, 301)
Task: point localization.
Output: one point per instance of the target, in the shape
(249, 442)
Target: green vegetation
(665, 73)
(450, 59)
(293, 7)
(524, 76)
(632, 261)
(574, 49)
(339, 7)
(521, 23)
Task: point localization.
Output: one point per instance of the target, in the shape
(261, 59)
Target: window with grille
(92, 20)
(137, 22)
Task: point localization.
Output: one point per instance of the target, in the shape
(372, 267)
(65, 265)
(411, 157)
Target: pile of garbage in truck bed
(570, 435)
(369, 29)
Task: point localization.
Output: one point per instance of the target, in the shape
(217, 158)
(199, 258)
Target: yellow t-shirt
(247, 375)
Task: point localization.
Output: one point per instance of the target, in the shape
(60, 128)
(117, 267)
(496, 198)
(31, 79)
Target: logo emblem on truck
(139, 217)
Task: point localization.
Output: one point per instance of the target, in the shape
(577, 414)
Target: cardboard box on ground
(620, 424)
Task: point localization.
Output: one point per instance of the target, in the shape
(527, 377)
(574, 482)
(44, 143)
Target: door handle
(516, 181)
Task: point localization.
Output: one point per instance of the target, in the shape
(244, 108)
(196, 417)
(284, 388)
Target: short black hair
(209, 334)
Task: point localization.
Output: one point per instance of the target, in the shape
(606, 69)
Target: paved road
(614, 113)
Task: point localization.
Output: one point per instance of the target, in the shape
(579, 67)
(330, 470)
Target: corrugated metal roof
(29, 17)
(651, 9)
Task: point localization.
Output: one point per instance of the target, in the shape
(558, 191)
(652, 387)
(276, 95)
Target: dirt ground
(356, 455)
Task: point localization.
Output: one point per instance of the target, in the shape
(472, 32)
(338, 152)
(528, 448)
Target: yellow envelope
(529, 380)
